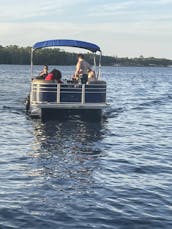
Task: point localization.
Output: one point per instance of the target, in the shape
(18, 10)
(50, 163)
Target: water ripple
(77, 174)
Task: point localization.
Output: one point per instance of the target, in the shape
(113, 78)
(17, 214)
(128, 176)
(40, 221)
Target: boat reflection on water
(66, 153)
(59, 135)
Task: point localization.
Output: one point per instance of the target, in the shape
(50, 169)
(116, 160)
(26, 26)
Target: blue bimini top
(69, 43)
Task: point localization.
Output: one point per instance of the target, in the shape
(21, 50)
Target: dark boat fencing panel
(43, 92)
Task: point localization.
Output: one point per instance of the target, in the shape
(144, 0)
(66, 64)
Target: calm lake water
(75, 174)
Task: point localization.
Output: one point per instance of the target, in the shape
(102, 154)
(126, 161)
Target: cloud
(35, 10)
(124, 26)
(29, 10)
(107, 9)
(130, 10)
(27, 34)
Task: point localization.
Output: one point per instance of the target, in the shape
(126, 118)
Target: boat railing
(51, 92)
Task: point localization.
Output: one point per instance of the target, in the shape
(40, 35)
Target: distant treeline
(21, 55)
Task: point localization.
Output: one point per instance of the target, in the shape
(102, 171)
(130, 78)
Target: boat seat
(42, 81)
(97, 82)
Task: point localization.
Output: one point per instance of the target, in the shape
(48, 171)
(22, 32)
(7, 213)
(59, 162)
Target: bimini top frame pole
(99, 67)
(31, 63)
(68, 43)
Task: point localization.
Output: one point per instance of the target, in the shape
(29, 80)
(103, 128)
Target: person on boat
(91, 76)
(54, 75)
(82, 68)
(43, 73)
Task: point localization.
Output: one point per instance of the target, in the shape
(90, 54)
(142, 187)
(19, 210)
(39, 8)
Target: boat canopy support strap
(99, 70)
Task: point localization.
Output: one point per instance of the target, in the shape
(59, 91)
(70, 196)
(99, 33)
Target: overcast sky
(126, 28)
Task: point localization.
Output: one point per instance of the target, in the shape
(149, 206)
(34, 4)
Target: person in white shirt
(82, 68)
